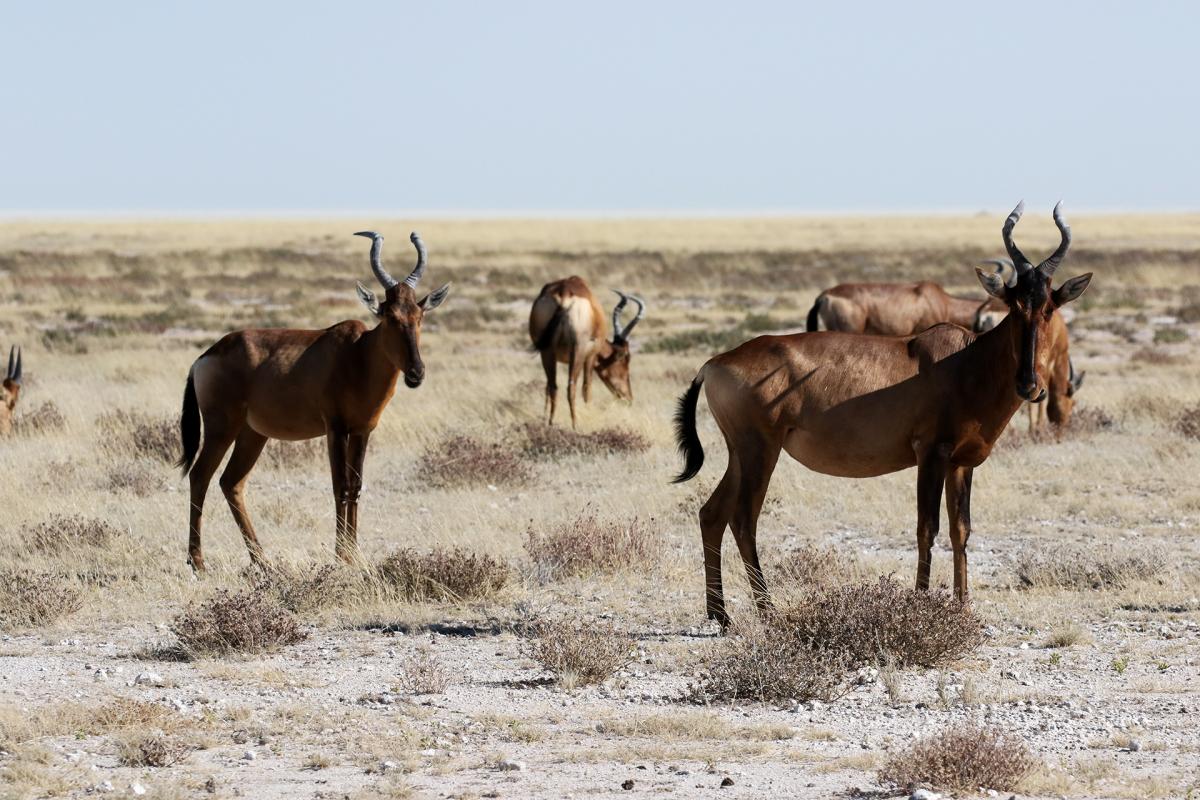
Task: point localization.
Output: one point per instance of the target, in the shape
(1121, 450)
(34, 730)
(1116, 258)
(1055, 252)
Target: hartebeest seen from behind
(261, 384)
(897, 309)
(857, 406)
(10, 390)
(567, 325)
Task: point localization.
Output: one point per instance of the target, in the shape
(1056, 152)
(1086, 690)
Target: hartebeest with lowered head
(10, 390)
(567, 326)
(261, 384)
(857, 406)
(898, 309)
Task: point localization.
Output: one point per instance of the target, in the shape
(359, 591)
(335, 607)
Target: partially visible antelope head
(1031, 301)
(400, 313)
(613, 367)
(1061, 404)
(10, 390)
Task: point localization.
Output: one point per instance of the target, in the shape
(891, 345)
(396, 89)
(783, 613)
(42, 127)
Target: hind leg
(574, 366)
(931, 476)
(714, 516)
(757, 459)
(246, 450)
(217, 439)
(550, 365)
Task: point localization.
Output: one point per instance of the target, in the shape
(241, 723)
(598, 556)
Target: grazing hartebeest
(10, 390)
(897, 309)
(262, 384)
(856, 406)
(567, 325)
(1062, 382)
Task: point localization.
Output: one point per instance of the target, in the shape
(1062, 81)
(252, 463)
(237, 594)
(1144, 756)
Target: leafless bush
(1188, 423)
(244, 622)
(421, 672)
(46, 418)
(306, 588)
(811, 566)
(1155, 355)
(768, 663)
(466, 461)
(961, 759)
(549, 441)
(587, 545)
(881, 622)
(1085, 421)
(132, 477)
(33, 599)
(61, 532)
(294, 455)
(150, 749)
(1069, 567)
(147, 435)
(444, 575)
(580, 652)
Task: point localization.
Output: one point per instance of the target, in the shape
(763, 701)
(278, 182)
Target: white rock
(137, 788)
(1134, 745)
(509, 765)
(149, 679)
(924, 794)
(249, 755)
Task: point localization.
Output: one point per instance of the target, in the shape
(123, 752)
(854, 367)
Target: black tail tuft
(189, 427)
(546, 339)
(685, 432)
(814, 313)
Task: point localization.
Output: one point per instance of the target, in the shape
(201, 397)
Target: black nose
(1031, 392)
(413, 380)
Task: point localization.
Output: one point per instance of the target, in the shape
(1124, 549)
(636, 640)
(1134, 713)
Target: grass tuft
(588, 545)
(150, 749)
(1073, 567)
(60, 533)
(549, 441)
(34, 599)
(961, 759)
(580, 653)
(229, 623)
(443, 575)
(466, 461)
(155, 437)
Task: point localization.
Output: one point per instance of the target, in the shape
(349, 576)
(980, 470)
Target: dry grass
(232, 623)
(1067, 635)
(155, 437)
(150, 749)
(311, 587)
(961, 759)
(42, 419)
(33, 599)
(1067, 567)
(462, 460)
(588, 545)
(812, 566)
(580, 652)
(17, 725)
(550, 441)
(443, 574)
(421, 672)
(61, 533)
(1188, 423)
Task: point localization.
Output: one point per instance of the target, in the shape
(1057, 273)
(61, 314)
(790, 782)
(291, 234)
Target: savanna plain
(527, 618)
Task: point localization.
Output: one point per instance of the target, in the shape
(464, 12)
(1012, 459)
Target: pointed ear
(434, 299)
(368, 298)
(1071, 289)
(993, 282)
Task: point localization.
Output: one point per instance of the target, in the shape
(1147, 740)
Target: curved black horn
(381, 274)
(1048, 266)
(419, 269)
(616, 317)
(1000, 264)
(641, 312)
(1021, 264)
(17, 375)
(14, 364)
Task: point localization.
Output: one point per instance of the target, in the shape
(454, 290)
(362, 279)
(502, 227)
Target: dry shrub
(1188, 422)
(228, 622)
(587, 546)
(884, 622)
(1073, 567)
(132, 477)
(293, 455)
(147, 435)
(1155, 355)
(75, 719)
(810, 566)
(150, 749)
(580, 652)
(307, 588)
(444, 575)
(421, 672)
(62, 532)
(961, 759)
(1085, 421)
(46, 418)
(32, 599)
(548, 441)
(466, 461)
(767, 663)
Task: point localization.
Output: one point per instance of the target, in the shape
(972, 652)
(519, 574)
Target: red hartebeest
(261, 384)
(1062, 380)
(10, 390)
(856, 406)
(898, 309)
(567, 325)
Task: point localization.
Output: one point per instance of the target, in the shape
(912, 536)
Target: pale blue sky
(573, 107)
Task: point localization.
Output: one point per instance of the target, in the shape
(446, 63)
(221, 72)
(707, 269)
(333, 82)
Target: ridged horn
(641, 312)
(419, 269)
(616, 315)
(381, 274)
(1048, 266)
(1021, 264)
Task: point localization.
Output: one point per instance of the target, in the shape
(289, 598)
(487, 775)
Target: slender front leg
(756, 462)
(550, 365)
(958, 511)
(356, 453)
(337, 441)
(589, 366)
(931, 475)
(573, 366)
